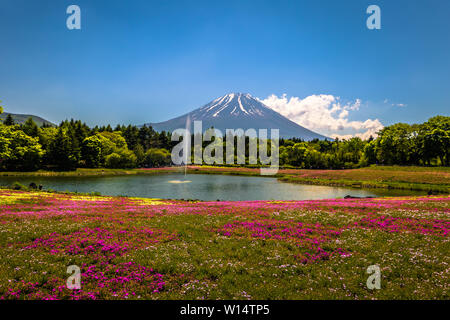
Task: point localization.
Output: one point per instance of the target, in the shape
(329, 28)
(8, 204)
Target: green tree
(435, 138)
(116, 138)
(9, 121)
(157, 158)
(19, 151)
(46, 136)
(30, 128)
(96, 149)
(140, 154)
(369, 153)
(396, 144)
(91, 151)
(122, 158)
(61, 152)
(113, 160)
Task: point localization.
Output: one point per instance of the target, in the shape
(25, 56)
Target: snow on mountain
(239, 111)
(232, 104)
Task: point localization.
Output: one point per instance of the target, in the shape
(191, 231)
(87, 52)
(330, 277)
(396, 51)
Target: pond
(199, 186)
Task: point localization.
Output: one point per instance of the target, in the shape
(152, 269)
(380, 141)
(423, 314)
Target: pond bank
(432, 179)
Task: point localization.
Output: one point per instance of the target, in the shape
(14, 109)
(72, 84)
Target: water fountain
(186, 155)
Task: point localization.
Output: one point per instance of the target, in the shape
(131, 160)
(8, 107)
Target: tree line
(422, 144)
(73, 144)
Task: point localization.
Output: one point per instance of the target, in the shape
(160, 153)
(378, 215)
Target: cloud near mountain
(324, 114)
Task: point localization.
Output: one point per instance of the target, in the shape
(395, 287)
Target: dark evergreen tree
(9, 121)
(30, 128)
(61, 152)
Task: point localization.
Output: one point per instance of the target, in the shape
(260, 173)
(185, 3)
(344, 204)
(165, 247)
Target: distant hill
(21, 118)
(237, 110)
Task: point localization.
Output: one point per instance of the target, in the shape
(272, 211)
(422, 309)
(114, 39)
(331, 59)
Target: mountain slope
(21, 118)
(237, 110)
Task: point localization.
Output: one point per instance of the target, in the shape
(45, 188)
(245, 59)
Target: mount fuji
(239, 110)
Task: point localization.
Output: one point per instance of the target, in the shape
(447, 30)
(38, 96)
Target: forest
(73, 144)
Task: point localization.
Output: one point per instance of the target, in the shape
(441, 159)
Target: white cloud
(324, 114)
(386, 101)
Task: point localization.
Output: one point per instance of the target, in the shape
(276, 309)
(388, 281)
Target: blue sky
(148, 61)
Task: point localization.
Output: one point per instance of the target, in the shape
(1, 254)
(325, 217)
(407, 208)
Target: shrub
(157, 158)
(18, 186)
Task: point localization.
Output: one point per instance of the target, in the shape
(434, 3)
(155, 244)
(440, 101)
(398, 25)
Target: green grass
(203, 264)
(81, 172)
(434, 188)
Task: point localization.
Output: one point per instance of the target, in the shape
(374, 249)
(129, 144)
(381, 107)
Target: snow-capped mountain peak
(238, 111)
(234, 104)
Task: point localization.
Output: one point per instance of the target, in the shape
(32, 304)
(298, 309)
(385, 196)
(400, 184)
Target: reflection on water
(179, 181)
(199, 186)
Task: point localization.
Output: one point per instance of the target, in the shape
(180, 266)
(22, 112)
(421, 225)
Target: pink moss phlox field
(305, 235)
(121, 281)
(100, 234)
(100, 209)
(300, 233)
(101, 243)
(396, 224)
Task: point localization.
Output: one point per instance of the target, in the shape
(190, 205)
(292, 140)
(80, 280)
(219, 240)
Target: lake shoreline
(429, 179)
(204, 187)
